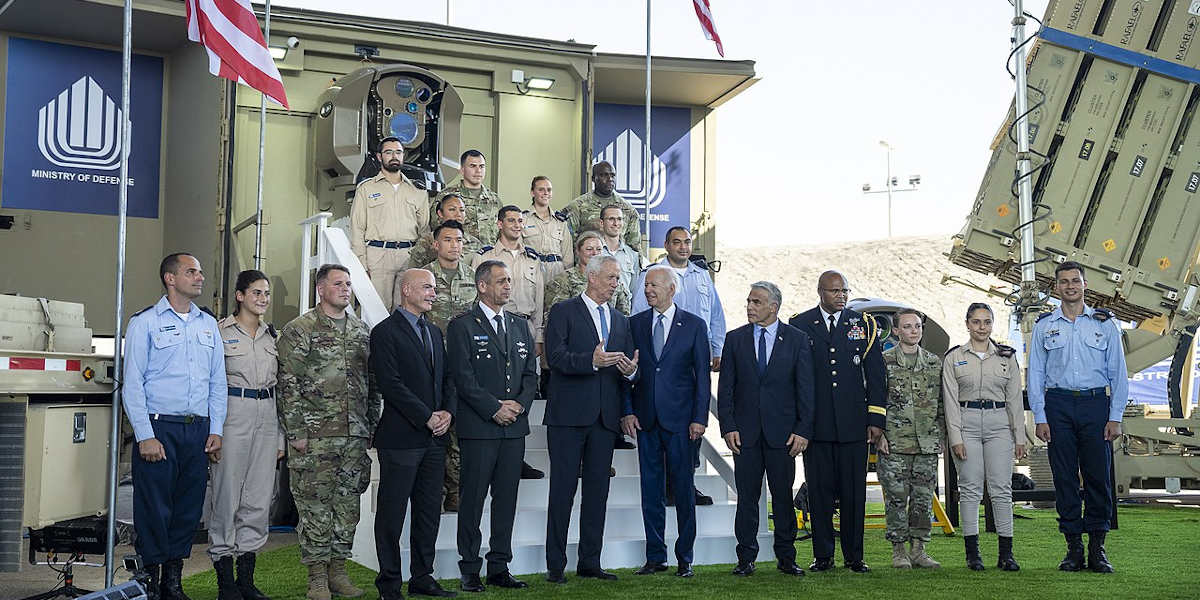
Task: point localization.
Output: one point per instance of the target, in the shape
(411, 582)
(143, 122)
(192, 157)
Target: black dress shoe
(685, 570)
(744, 569)
(858, 566)
(821, 564)
(430, 589)
(471, 583)
(621, 444)
(506, 580)
(702, 500)
(528, 472)
(596, 574)
(651, 567)
(394, 595)
(790, 568)
(556, 577)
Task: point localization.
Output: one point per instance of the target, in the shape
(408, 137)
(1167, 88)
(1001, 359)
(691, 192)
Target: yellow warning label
(1002, 210)
(1164, 263)
(1055, 227)
(1109, 245)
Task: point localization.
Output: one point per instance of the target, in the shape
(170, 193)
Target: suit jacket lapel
(820, 327)
(407, 330)
(587, 315)
(675, 333)
(777, 348)
(489, 329)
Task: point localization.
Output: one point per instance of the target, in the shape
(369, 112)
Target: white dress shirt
(491, 316)
(837, 317)
(668, 319)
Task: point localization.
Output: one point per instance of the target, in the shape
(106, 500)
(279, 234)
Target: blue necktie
(603, 326)
(659, 338)
(762, 350)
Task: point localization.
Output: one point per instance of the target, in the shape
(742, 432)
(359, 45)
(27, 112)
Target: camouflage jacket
(454, 295)
(482, 205)
(916, 419)
(583, 214)
(324, 388)
(422, 253)
(572, 283)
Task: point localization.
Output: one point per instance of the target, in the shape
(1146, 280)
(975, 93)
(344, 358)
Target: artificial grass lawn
(1154, 553)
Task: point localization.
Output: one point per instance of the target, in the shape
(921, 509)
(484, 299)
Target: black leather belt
(249, 393)
(1099, 392)
(187, 419)
(982, 404)
(389, 245)
(551, 258)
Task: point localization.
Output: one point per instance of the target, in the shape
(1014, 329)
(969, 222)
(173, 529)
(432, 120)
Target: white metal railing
(334, 247)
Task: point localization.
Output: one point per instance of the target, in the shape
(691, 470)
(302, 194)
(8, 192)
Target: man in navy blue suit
(667, 411)
(765, 406)
(592, 364)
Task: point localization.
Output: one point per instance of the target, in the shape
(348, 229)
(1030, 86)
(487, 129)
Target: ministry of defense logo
(80, 128)
(626, 154)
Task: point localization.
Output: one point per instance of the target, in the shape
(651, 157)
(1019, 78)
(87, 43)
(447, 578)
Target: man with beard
(387, 218)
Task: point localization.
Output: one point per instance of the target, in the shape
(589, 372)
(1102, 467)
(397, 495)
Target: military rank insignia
(856, 333)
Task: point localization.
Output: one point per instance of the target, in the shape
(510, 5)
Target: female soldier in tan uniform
(243, 481)
(546, 231)
(981, 386)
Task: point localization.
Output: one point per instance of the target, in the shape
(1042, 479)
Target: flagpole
(646, 142)
(114, 440)
(262, 149)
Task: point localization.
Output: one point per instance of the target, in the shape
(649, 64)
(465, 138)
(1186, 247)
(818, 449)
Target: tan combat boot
(900, 556)
(339, 582)
(920, 559)
(318, 581)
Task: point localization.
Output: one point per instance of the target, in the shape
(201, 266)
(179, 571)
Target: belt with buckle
(250, 393)
(551, 258)
(186, 419)
(982, 404)
(389, 245)
(1099, 392)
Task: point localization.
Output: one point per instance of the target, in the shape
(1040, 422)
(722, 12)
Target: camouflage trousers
(453, 465)
(327, 481)
(909, 482)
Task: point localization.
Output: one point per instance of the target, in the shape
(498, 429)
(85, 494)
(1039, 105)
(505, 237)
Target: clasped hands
(508, 412)
(439, 422)
(602, 358)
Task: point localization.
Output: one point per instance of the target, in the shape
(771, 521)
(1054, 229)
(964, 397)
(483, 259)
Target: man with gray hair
(765, 407)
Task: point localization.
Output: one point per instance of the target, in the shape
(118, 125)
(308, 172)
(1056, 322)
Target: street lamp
(891, 184)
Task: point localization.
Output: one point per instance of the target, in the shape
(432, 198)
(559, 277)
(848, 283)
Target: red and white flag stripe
(24, 363)
(229, 32)
(704, 13)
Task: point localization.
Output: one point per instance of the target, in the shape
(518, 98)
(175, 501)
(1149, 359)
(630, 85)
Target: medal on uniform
(856, 333)
(856, 360)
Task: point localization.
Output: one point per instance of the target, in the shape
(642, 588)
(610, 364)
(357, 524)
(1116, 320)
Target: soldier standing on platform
(583, 213)
(448, 208)
(480, 201)
(329, 418)
(524, 265)
(546, 231)
(912, 441)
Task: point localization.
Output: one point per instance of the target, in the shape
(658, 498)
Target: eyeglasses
(837, 291)
(392, 153)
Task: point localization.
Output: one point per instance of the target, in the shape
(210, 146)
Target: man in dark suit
(409, 364)
(764, 404)
(851, 395)
(592, 361)
(490, 354)
(669, 409)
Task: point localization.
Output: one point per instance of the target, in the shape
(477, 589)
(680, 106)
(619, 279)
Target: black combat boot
(227, 588)
(172, 580)
(971, 543)
(1073, 561)
(245, 578)
(1097, 559)
(1006, 561)
(150, 579)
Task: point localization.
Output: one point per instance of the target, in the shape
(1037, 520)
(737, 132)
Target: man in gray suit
(490, 354)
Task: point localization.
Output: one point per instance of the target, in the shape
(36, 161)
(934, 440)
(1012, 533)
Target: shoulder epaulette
(796, 315)
(1004, 350)
(1102, 314)
(952, 349)
(561, 215)
(531, 253)
(1043, 316)
(207, 311)
(141, 311)
(485, 250)
(271, 331)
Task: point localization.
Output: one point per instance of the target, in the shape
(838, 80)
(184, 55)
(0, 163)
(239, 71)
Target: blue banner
(619, 133)
(62, 129)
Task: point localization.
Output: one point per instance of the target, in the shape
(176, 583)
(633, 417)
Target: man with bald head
(583, 213)
(419, 401)
(849, 413)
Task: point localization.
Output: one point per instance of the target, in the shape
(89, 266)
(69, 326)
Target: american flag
(704, 13)
(229, 32)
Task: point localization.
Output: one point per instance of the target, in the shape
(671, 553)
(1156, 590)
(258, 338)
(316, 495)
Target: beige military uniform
(551, 239)
(528, 284)
(385, 215)
(629, 259)
(244, 480)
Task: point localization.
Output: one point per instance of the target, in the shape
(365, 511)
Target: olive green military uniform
(323, 396)
(455, 295)
(551, 239)
(482, 205)
(423, 253)
(382, 218)
(573, 283)
(915, 430)
(583, 214)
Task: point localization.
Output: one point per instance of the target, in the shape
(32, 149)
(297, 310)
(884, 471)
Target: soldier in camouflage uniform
(482, 203)
(449, 207)
(583, 213)
(573, 282)
(329, 415)
(454, 281)
(912, 442)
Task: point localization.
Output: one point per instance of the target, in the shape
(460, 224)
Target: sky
(794, 150)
